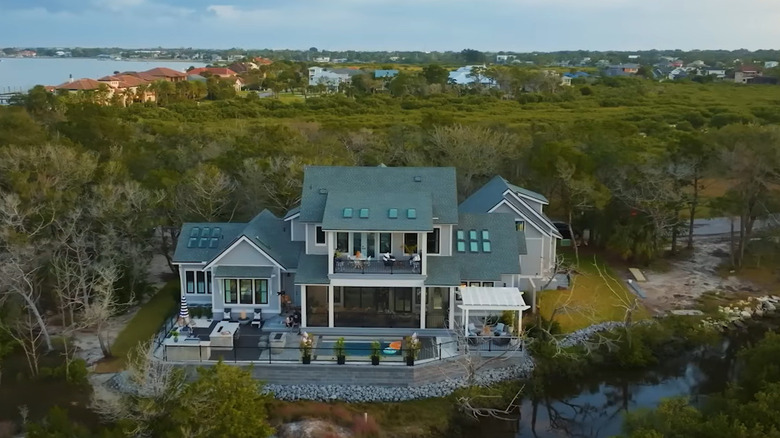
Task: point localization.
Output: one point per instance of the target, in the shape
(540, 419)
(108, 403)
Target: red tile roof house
(86, 84)
(129, 85)
(221, 72)
(166, 74)
(262, 61)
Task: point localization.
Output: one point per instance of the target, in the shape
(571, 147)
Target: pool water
(353, 348)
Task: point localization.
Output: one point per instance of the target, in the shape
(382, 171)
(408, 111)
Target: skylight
(461, 235)
(216, 232)
(363, 213)
(411, 213)
(214, 242)
(485, 235)
(204, 242)
(193, 242)
(392, 213)
(195, 232)
(347, 212)
(473, 234)
(485, 246)
(205, 232)
(461, 246)
(473, 246)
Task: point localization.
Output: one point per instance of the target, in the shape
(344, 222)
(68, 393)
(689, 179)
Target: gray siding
(244, 255)
(298, 230)
(530, 264)
(311, 237)
(446, 241)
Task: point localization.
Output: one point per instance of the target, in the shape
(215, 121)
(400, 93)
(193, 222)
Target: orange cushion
(396, 345)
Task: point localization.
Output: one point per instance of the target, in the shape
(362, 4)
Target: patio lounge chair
(226, 315)
(498, 330)
(257, 320)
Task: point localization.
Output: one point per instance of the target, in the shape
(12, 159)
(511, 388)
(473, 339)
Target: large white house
(372, 247)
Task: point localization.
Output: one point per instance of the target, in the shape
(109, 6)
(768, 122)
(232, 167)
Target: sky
(426, 25)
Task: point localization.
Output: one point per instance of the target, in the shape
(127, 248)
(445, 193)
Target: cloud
(521, 25)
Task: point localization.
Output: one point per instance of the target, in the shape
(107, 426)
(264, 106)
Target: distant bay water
(21, 74)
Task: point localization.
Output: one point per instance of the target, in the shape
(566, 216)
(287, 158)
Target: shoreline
(107, 59)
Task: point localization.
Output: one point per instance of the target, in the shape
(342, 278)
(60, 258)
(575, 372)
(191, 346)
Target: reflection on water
(594, 406)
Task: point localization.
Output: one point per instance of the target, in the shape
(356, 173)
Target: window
(347, 212)
(410, 243)
(474, 284)
(474, 246)
(342, 242)
(357, 243)
(411, 213)
(461, 246)
(208, 282)
(461, 243)
(385, 245)
(485, 246)
(433, 241)
(320, 237)
(364, 213)
(461, 235)
(473, 234)
(201, 282)
(392, 213)
(438, 298)
(190, 280)
(231, 289)
(487, 284)
(245, 291)
(485, 235)
(520, 225)
(261, 291)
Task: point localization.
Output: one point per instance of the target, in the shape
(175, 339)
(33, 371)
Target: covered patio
(488, 300)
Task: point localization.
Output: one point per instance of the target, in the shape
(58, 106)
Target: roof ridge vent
(417, 178)
(323, 191)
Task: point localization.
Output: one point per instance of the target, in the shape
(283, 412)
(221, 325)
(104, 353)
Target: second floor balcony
(410, 265)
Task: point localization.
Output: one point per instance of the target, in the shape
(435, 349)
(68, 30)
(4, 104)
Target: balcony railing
(376, 266)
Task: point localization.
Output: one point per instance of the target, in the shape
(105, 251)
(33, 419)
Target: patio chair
(499, 329)
(226, 315)
(257, 320)
(472, 329)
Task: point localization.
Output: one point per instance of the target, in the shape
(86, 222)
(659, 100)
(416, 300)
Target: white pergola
(491, 299)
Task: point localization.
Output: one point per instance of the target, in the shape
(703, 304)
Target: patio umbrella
(184, 312)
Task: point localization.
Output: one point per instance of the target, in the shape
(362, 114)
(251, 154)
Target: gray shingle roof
(378, 205)
(292, 212)
(442, 271)
(321, 181)
(265, 230)
(312, 269)
(243, 271)
(188, 254)
(272, 235)
(503, 256)
(492, 193)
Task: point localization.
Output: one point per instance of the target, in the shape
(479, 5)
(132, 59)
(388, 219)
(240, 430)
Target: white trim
(553, 231)
(505, 202)
(238, 285)
(537, 200)
(427, 252)
(230, 248)
(293, 216)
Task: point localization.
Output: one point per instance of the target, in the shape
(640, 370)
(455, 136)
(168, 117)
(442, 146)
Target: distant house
(129, 87)
(166, 74)
(745, 74)
(464, 76)
(771, 64)
(196, 78)
(719, 73)
(220, 72)
(332, 77)
(621, 70)
(322, 59)
(385, 74)
(84, 84)
(243, 67)
(678, 73)
(503, 59)
(566, 78)
(262, 61)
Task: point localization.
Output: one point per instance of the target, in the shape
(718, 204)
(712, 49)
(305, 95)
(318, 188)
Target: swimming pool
(352, 348)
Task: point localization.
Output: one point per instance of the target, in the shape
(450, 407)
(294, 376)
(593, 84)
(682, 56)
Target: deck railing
(376, 266)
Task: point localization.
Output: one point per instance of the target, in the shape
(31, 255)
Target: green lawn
(142, 327)
(593, 298)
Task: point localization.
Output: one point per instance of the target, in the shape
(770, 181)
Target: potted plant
(339, 349)
(196, 312)
(175, 334)
(376, 351)
(305, 347)
(208, 313)
(412, 349)
(508, 318)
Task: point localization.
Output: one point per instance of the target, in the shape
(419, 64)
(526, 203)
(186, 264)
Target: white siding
(530, 264)
(445, 243)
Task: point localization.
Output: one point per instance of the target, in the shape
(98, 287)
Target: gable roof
(164, 72)
(292, 212)
(265, 230)
(437, 182)
(217, 71)
(489, 195)
(80, 85)
(125, 80)
(377, 205)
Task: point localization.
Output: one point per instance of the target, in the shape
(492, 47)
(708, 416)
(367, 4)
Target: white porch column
(331, 312)
(303, 305)
(519, 322)
(422, 307)
(533, 295)
(330, 238)
(466, 322)
(423, 250)
(451, 322)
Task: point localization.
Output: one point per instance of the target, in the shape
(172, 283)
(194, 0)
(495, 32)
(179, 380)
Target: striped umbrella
(184, 312)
